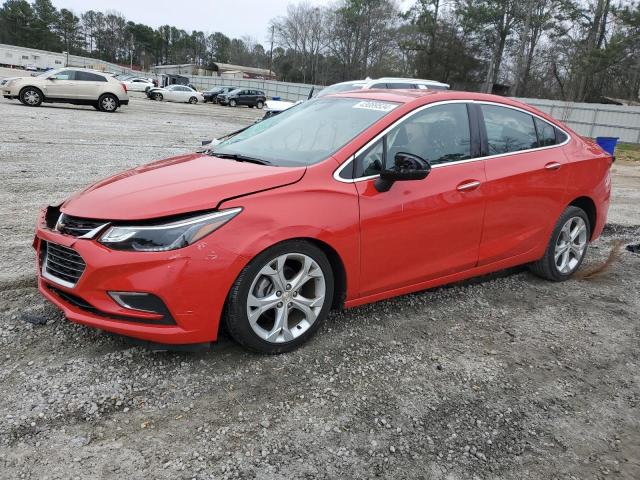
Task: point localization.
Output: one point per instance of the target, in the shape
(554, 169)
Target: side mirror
(51, 78)
(407, 167)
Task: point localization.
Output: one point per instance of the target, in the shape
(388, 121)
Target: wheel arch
(589, 207)
(335, 260)
(110, 94)
(22, 89)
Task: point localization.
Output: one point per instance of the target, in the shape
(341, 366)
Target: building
(14, 56)
(217, 69)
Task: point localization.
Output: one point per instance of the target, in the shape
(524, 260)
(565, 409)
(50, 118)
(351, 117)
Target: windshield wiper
(240, 158)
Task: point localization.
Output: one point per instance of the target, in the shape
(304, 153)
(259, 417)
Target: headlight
(168, 236)
(8, 83)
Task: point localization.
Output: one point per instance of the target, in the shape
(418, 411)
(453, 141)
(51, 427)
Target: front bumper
(124, 102)
(193, 283)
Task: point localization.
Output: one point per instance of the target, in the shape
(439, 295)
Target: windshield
(306, 133)
(340, 87)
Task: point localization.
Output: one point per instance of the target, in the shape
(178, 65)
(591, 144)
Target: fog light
(140, 301)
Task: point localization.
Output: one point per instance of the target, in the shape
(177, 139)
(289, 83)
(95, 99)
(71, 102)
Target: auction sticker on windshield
(379, 106)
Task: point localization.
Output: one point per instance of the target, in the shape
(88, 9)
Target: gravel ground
(503, 377)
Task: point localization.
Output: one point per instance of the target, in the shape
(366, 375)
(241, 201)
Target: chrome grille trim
(61, 265)
(79, 227)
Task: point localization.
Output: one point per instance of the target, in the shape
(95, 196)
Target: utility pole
(273, 27)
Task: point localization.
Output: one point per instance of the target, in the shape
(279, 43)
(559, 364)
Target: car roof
(423, 97)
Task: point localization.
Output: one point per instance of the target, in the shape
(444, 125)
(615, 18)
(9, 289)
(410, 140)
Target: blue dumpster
(608, 144)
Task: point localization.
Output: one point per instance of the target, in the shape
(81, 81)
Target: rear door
(526, 182)
(425, 229)
(88, 85)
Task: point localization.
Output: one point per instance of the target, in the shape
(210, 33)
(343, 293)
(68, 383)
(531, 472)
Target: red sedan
(339, 201)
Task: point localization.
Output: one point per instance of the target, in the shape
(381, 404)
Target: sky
(234, 18)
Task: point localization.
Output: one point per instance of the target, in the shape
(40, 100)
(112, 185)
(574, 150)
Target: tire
(158, 97)
(567, 247)
(31, 96)
(232, 103)
(260, 104)
(146, 89)
(274, 298)
(193, 100)
(108, 103)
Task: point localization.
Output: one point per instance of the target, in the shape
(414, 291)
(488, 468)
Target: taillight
(124, 87)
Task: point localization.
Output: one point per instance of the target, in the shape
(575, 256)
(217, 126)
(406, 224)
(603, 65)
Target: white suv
(78, 86)
(384, 82)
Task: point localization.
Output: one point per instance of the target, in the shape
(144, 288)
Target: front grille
(62, 263)
(76, 227)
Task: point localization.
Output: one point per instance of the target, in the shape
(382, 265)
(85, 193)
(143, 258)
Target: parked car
(243, 96)
(31, 68)
(340, 201)
(175, 93)
(386, 83)
(211, 95)
(77, 86)
(137, 84)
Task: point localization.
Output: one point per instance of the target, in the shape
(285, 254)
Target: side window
(508, 130)
(371, 161)
(439, 134)
(561, 137)
(546, 133)
(400, 85)
(65, 75)
(379, 85)
(89, 77)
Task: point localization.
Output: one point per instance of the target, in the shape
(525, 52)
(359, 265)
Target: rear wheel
(567, 247)
(232, 103)
(281, 298)
(108, 103)
(31, 96)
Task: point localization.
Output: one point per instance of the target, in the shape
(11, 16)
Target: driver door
(61, 85)
(421, 230)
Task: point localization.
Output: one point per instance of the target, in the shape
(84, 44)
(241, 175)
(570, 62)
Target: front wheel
(158, 97)
(260, 104)
(108, 103)
(31, 96)
(193, 100)
(232, 103)
(567, 247)
(281, 298)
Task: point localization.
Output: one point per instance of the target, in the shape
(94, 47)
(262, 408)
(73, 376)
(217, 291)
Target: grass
(628, 152)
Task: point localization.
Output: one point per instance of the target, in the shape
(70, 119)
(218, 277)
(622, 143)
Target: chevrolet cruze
(337, 202)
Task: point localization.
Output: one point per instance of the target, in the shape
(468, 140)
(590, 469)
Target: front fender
(327, 215)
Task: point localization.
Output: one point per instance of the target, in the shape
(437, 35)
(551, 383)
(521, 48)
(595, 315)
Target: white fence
(593, 119)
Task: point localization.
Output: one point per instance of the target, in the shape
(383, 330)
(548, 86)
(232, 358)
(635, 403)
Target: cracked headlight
(167, 236)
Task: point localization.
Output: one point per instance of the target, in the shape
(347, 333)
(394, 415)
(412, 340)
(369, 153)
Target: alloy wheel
(31, 97)
(108, 104)
(570, 245)
(286, 297)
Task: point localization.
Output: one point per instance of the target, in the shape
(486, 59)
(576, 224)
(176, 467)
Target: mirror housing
(407, 167)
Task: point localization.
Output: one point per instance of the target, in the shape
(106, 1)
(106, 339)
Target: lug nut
(278, 293)
(279, 305)
(288, 286)
(295, 294)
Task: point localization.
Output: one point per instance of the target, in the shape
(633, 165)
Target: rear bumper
(124, 102)
(192, 282)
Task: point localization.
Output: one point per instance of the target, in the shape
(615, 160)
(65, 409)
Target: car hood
(174, 186)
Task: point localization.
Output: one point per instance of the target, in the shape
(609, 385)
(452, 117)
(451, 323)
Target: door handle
(552, 166)
(469, 185)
